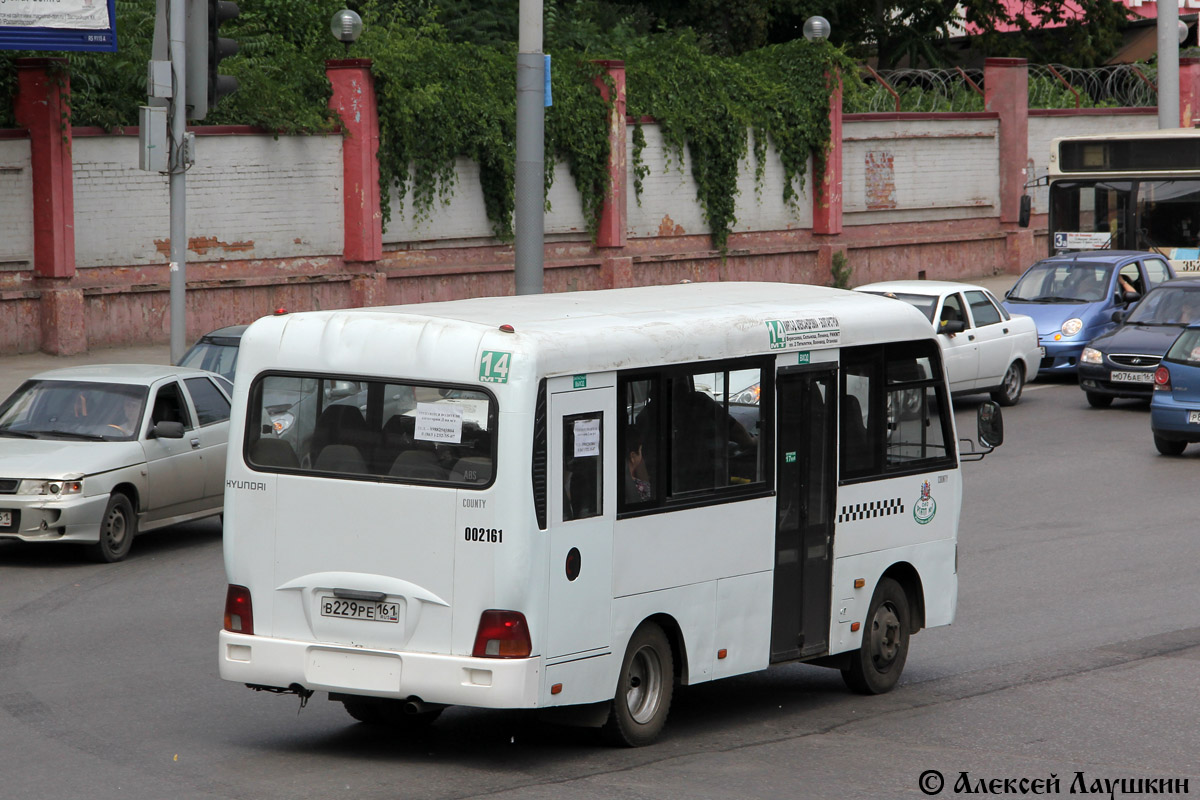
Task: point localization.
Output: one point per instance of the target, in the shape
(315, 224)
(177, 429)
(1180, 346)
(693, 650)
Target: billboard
(58, 25)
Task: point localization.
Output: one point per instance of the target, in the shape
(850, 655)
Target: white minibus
(575, 502)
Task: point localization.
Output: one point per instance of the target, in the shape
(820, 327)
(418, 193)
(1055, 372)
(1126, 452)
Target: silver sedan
(94, 455)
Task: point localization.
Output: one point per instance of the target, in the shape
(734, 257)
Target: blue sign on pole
(79, 25)
(546, 71)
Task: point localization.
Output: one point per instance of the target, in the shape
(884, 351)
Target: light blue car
(1073, 298)
(1175, 405)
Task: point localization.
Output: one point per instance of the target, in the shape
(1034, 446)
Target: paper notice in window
(437, 422)
(587, 437)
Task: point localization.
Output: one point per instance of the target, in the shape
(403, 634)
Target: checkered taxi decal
(875, 508)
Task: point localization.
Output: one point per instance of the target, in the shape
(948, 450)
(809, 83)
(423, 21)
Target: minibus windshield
(344, 427)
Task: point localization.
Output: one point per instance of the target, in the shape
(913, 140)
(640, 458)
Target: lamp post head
(816, 29)
(346, 26)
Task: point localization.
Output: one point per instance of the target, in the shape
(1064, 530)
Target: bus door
(582, 508)
(806, 473)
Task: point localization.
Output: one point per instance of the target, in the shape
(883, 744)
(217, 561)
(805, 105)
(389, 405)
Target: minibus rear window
(371, 430)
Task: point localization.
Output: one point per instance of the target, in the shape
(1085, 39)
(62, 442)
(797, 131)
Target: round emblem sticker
(926, 507)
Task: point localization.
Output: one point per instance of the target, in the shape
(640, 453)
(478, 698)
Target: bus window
(894, 416)
(698, 429)
(347, 428)
(583, 466)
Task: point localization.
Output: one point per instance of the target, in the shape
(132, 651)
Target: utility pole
(1168, 64)
(530, 178)
(177, 33)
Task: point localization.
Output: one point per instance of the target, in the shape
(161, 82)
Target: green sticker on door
(789, 458)
(494, 366)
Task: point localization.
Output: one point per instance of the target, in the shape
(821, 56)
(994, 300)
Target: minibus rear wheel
(644, 689)
(876, 667)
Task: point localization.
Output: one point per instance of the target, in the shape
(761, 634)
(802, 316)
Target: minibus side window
(583, 466)
(688, 432)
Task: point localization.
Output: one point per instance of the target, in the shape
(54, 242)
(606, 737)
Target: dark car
(216, 351)
(1121, 363)
(1072, 298)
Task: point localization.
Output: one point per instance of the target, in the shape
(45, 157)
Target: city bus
(575, 502)
(1127, 191)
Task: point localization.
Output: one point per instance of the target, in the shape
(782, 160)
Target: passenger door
(804, 518)
(211, 407)
(993, 336)
(582, 505)
(174, 467)
(960, 351)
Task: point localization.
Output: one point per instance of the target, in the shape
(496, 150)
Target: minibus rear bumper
(443, 679)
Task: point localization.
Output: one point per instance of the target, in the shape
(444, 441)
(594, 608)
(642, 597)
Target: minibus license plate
(358, 609)
(1133, 377)
(1193, 419)
(5, 519)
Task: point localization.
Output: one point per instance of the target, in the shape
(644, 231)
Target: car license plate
(358, 609)
(1133, 377)
(5, 519)
(1193, 419)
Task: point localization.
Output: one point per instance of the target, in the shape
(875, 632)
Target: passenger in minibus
(637, 484)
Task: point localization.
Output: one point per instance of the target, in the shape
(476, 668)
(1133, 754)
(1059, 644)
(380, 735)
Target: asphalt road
(1076, 649)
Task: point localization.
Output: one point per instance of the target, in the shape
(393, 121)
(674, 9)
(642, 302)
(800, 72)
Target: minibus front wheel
(644, 689)
(876, 667)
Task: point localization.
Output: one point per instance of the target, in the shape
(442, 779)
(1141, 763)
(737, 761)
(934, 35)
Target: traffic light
(205, 49)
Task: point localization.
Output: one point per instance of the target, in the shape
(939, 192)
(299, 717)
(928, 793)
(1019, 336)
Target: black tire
(1009, 391)
(118, 526)
(1169, 447)
(644, 690)
(1099, 400)
(386, 712)
(875, 668)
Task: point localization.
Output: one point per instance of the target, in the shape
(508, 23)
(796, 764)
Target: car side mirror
(990, 425)
(1118, 317)
(167, 430)
(951, 326)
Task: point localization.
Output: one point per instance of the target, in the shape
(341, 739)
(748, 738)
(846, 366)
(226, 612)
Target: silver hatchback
(94, 455)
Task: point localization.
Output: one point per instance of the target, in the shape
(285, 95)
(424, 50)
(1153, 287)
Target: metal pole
(1168, 64)
(530, 188)
(177, 121)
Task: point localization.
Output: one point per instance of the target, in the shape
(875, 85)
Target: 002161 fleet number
(493, 535)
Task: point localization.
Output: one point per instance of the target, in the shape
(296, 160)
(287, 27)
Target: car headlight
(1091, 355)
(1072, 326)
(50, 487)
(281, 422)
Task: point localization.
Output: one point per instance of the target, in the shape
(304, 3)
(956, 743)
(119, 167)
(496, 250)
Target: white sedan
(985, 348)
(95, 454)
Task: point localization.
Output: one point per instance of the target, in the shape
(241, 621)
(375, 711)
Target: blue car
(1175, 405)
(1073, 297)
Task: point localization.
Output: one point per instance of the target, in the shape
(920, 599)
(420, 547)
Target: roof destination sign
(802, 332)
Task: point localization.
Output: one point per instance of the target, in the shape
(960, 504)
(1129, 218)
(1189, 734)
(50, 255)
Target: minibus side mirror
(990, 425)
(1026, 210)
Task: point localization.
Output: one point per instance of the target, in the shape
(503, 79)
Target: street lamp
(346, 26)
(817, 29)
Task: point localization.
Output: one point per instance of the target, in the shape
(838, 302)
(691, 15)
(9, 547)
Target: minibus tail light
(1162, 379)
(239, 612)
(502, 634)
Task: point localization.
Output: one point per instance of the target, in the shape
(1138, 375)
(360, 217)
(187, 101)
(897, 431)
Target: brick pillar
(616, 272)
(827, 172)
(1006, 92)
(368, 290)
(64, 332)
(613, 213)
(354, 100)
(41, 107)
(1189, 92)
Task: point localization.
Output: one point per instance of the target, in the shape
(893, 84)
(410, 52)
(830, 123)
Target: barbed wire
(1050, 86)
